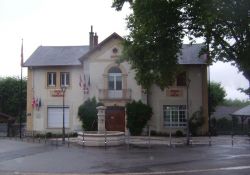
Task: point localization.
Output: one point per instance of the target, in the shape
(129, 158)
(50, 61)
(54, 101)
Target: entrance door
(115, 119)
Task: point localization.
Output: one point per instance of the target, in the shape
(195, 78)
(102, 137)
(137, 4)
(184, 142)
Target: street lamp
(63, 88)
(187, 108)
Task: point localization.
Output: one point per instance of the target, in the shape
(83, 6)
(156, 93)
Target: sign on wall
(56, 93)
(174, 92)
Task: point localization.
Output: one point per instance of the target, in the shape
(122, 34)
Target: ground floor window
(174, 115)
(55, 117)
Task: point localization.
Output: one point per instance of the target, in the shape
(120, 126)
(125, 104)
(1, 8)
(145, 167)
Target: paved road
(18, 157)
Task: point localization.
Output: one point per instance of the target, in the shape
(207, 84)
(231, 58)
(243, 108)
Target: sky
(67, 22)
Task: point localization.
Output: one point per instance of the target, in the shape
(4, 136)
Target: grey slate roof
(242, 112)
(56, 56)
(224, 111)
(71, 55)
(190, 54)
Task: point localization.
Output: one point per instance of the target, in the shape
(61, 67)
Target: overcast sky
(67, 22)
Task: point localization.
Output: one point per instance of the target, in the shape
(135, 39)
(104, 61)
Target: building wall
(37, 88)
(158, 98)
(97, 66)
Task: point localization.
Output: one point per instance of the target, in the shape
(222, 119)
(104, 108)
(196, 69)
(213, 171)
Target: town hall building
(77, 73)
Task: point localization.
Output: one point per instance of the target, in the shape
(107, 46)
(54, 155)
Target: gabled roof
(56, 56)
(74, 55)
(101, 44)
(242, 112)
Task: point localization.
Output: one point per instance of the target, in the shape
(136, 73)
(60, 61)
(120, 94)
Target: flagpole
(21, 94)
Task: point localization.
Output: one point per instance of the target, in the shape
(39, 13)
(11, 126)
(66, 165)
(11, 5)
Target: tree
(157, 27)
(87, 113)
(225, 25)
(155, 40)
(216, 96)
(10, 96)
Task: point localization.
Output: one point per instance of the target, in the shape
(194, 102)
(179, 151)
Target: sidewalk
(177, 141)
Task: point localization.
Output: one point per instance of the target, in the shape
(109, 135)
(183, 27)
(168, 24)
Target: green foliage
(179, 133)
(235, 102)
(216, 96)
(196, 121)
(158, 26)
(138, 115)
(155, 40)
(10, 96)
(87, 113)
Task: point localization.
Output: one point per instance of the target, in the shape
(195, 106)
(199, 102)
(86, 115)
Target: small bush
(179, 133)
(87, 113)
(48, 135)
(138, 115)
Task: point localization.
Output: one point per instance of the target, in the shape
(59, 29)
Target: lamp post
(63, 88)
(187, 108)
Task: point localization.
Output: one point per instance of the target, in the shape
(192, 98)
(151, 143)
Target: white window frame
(64, 79)
(51, 79)
(174, 116)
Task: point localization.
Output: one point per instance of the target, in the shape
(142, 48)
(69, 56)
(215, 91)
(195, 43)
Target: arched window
(115, 82)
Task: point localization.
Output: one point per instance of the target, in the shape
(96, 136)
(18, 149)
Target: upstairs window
(51, 79)
(115, 79)
(181, 79)
(64, 78)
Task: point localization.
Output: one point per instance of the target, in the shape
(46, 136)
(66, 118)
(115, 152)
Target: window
(115, 82)
(115, 79)
(64, 78)
(51, 79)
(174, 115)
(181, 79)
(55, 117)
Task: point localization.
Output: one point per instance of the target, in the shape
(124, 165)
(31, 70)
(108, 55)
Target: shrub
(138, 115)
(179, 133)
(87, 113)
(195, 122)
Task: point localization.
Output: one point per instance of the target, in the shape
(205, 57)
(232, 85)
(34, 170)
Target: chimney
(95, 40)
(91, 38)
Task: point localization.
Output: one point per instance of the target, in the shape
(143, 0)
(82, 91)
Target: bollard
(56, 142)
(33, 139)
(105, 139)
(210, 141)
(83, 139)
(45, 139)
(128, 140)
(232, 140)
(149, 137)
(68, 140)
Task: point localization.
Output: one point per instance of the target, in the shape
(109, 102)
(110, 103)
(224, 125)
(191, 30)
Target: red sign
(57, 93)
(174, 92)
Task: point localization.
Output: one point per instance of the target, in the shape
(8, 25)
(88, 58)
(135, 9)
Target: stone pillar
(101, 118)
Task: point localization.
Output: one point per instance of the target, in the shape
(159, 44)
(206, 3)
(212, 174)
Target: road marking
(194, 171)
(153, 173)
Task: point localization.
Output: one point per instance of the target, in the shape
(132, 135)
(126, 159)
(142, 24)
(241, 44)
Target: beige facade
(99, 72)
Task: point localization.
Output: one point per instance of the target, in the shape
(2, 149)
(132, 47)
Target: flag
(80, 82)
(89, 81)
(84, 82)
(33, 102)
(22, 54)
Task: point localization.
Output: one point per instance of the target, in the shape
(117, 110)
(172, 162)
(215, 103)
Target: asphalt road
(18, 157)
